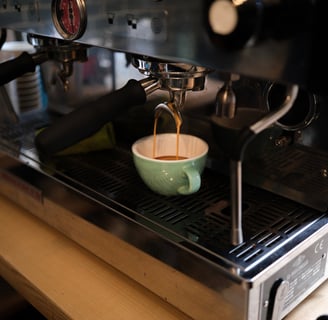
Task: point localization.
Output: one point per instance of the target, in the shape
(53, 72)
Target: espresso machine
(246, 76)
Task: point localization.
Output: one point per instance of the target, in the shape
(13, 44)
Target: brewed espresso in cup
(176, 157)
(167, 176)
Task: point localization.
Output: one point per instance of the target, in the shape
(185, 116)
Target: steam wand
(236, 157)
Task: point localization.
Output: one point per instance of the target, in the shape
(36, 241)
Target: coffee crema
(171, 158)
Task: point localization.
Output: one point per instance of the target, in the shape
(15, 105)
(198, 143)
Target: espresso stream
(169, 157)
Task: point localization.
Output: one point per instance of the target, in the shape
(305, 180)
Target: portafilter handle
(24, 63)
(86, 120)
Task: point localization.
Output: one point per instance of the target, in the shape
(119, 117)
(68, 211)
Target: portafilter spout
(173, 76)
(62, 51)
(176, 78)
(173, 107)
(236, 150)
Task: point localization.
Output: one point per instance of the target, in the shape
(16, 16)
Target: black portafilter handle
(24, 63)
(88, 119)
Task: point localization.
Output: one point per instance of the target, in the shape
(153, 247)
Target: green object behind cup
(171, 177)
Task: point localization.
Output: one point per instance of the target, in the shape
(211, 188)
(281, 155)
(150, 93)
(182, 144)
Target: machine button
(18, 6)
(110, 17)
(132, 21)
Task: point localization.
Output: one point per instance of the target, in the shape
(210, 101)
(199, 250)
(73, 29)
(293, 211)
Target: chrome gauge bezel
(59, 24)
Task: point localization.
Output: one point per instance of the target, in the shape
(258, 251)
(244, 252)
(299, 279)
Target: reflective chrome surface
(179, 33)
(284, 206)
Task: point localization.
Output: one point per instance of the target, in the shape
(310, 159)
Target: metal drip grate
(269, 221)
(201, 221)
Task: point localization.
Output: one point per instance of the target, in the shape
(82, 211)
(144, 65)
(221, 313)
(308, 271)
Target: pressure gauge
(69, 17)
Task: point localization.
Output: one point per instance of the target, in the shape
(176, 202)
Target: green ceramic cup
(171, 177)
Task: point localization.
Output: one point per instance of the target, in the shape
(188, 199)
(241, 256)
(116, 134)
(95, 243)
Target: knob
(240, 23)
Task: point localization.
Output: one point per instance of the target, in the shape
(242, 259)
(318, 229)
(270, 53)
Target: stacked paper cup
(28, 89)
(25, 92)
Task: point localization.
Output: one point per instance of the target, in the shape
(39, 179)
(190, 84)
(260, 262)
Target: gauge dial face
(69, 17)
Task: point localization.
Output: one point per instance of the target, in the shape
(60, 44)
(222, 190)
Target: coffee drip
(175, 113)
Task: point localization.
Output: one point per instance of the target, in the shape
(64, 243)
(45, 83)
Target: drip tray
(200, 222)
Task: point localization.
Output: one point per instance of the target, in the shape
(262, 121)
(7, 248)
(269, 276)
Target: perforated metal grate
(269, 221)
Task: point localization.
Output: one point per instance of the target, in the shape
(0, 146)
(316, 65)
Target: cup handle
(194, 181)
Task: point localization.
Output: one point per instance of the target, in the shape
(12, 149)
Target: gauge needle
(71, 14)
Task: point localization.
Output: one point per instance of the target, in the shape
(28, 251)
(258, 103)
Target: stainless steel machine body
(182, 245)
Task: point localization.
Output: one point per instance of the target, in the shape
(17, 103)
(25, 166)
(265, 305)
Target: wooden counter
(64, 281)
